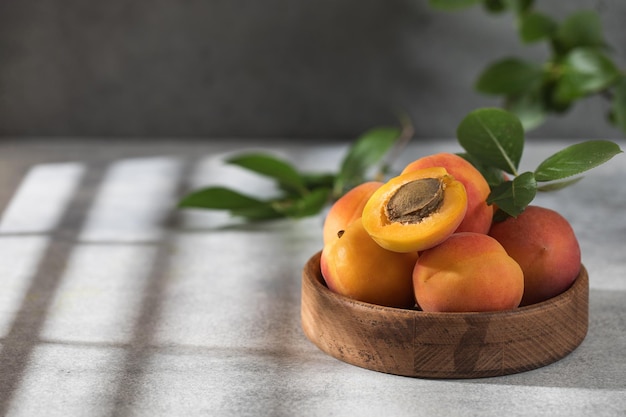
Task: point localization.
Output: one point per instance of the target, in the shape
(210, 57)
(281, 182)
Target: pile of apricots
(426, 239)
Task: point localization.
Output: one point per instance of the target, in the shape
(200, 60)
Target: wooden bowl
(442, 345)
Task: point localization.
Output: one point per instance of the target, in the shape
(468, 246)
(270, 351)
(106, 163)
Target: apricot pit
(415, 201)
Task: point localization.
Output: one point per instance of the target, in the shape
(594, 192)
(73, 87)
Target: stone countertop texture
(112, 302)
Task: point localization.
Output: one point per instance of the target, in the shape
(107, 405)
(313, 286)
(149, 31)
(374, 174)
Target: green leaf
(493, 176)
(580, 29)
(550, 101)
(535, 26)
(303, 206)
(238, 204)
(494, 6)
(519, 6)
(493, 136)
(367, 151)
(316, 180)
(509, 76)
(260, 213)
(498, 6)
(576, 159)
(618, 105)
(219, 198)
(558, 185)
(287, 176)
(584, 71)
(450, 5)
(529, 108)
(514, 196)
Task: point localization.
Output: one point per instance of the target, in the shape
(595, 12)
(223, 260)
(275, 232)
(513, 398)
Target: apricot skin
(403, 237)
(545, 246)
(347, 209)
(356, 267)
(469, 272)
(479, 214)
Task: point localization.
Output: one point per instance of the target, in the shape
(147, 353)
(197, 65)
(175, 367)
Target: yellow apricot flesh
(434, 218)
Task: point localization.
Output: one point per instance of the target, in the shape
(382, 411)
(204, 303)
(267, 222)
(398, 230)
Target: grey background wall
(261, 68)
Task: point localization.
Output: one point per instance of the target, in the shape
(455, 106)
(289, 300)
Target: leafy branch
(302, 194)
(493, 141)
(578, 66)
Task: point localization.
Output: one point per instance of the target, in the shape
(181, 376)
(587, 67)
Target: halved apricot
(479, 214)
(416, 210)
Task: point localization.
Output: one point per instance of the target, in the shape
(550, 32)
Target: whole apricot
(357, 267)
(416, 210)
(468, 272)
(544, 244)
(347, 209)
(479, 214)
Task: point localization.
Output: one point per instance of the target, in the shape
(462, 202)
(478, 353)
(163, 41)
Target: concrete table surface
(113, 302)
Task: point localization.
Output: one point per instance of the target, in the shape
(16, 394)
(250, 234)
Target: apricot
(468, 272)
(416, 210)
(357, 267)
(347, 209)
(479, 214)
(545, 246)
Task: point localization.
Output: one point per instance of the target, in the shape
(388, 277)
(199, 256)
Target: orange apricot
(468, 272)
(479, 214)
(347, 209)
(544, 244)
(416, 210)
(357, 267)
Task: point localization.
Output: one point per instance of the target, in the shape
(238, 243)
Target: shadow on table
(19, 346)
(24, 335)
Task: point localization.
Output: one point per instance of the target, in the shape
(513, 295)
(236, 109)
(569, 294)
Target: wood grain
(442, 345)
